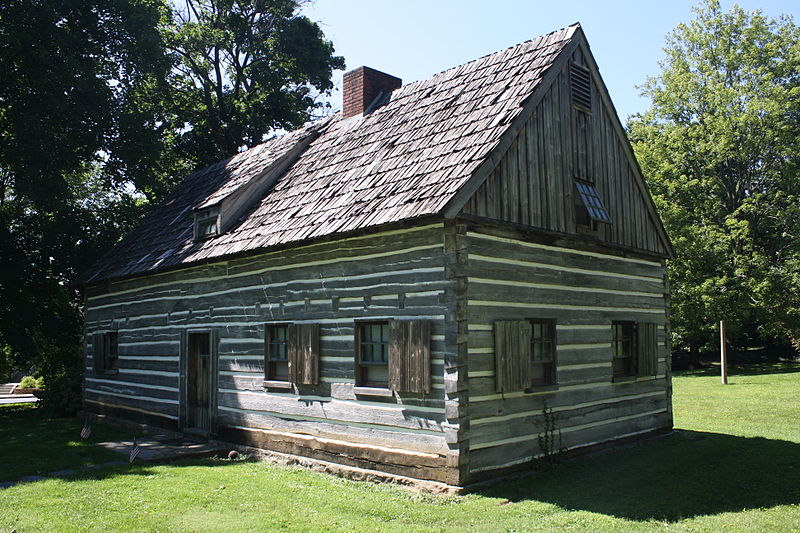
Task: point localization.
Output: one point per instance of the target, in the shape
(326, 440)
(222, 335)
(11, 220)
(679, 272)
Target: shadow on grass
(685, 474)
(743, 370)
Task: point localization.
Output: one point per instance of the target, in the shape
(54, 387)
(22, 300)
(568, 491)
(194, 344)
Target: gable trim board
(442, 278)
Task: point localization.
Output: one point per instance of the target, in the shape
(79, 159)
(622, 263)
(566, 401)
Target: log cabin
(444, 281)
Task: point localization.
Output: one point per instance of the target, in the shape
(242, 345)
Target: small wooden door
(198, 382)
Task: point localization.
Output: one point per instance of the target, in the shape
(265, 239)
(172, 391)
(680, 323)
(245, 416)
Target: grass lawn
(733, 465)
(33, 445)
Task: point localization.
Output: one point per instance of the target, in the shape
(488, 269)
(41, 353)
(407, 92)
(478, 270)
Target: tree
(104, 106)
(240, 70)
(719, 148)
(67, 66)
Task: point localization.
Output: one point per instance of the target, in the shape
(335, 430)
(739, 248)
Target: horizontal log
(512, 453)
(560, 256)
(395, 461)
(532, 425)
(430, 442)
(334, 410)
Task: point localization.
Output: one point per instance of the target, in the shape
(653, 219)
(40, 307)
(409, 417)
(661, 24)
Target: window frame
(619, 341)
(111, 352)
(105, 353)
(202, 218)
(550, 366)
(270, 365)
(361, 368)
(586, 221)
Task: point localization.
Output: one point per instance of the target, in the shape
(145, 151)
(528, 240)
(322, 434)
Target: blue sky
(414, 39)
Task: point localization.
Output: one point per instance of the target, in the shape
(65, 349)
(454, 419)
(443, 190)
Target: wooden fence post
(723, 353)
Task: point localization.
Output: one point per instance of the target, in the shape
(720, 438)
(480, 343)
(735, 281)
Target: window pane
(373, 354)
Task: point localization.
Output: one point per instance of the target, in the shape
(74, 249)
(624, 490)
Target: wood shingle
(404, 160)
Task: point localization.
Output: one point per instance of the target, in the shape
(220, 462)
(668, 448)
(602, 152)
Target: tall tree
(719, 147)
(67, 67)
(241, 69)
(105, 104)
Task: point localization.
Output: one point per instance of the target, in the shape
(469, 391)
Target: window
(394, 354)
(634, 349)
(525, 354)
(277, 352)
(291, 354)
(589, 208)
(543, 352)
(206, 223)
(623, 349)
(105, 353)
(372, 349)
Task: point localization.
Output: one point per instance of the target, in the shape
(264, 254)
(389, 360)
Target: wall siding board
(571, 144)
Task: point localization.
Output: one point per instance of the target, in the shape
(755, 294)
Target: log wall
(510, 277)
(393, 274)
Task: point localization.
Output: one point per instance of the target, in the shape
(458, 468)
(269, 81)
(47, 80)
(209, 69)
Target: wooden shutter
(304, 354)
(512, 352)
(647, 349)
(98, 353)
(266, 350)
(410, 356)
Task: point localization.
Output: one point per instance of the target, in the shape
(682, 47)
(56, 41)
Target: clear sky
(414, 39)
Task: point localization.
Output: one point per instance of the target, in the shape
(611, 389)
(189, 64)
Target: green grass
(33, 445)
(733, 465)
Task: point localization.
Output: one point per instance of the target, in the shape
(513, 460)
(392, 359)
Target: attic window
(206, 223)
(580, 87)
(589, 208)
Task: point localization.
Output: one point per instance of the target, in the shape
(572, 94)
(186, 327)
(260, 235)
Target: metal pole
(723, 353)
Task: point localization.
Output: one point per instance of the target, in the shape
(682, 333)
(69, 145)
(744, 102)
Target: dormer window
(206, 223)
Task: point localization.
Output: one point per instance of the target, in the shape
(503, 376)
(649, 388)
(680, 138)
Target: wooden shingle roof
(406, 159)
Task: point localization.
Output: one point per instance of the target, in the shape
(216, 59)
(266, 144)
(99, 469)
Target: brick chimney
(362, 86)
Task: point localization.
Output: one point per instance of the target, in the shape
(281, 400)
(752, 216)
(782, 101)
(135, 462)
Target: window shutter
(304, 354)
(647, 349)
(512, 348)
(266, 351)
(98, 353)
(410, 356)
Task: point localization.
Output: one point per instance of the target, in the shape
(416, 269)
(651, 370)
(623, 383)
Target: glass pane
(281, 371)
(366, 353)
(378, 375)
(539, 373)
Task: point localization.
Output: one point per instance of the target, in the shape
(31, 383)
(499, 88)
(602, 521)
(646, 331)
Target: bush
(62, 395)
(30, 382)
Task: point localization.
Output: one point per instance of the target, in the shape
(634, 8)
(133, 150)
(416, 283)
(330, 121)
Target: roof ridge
(569, 33)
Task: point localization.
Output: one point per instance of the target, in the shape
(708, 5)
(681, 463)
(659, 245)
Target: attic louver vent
(580, 87)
